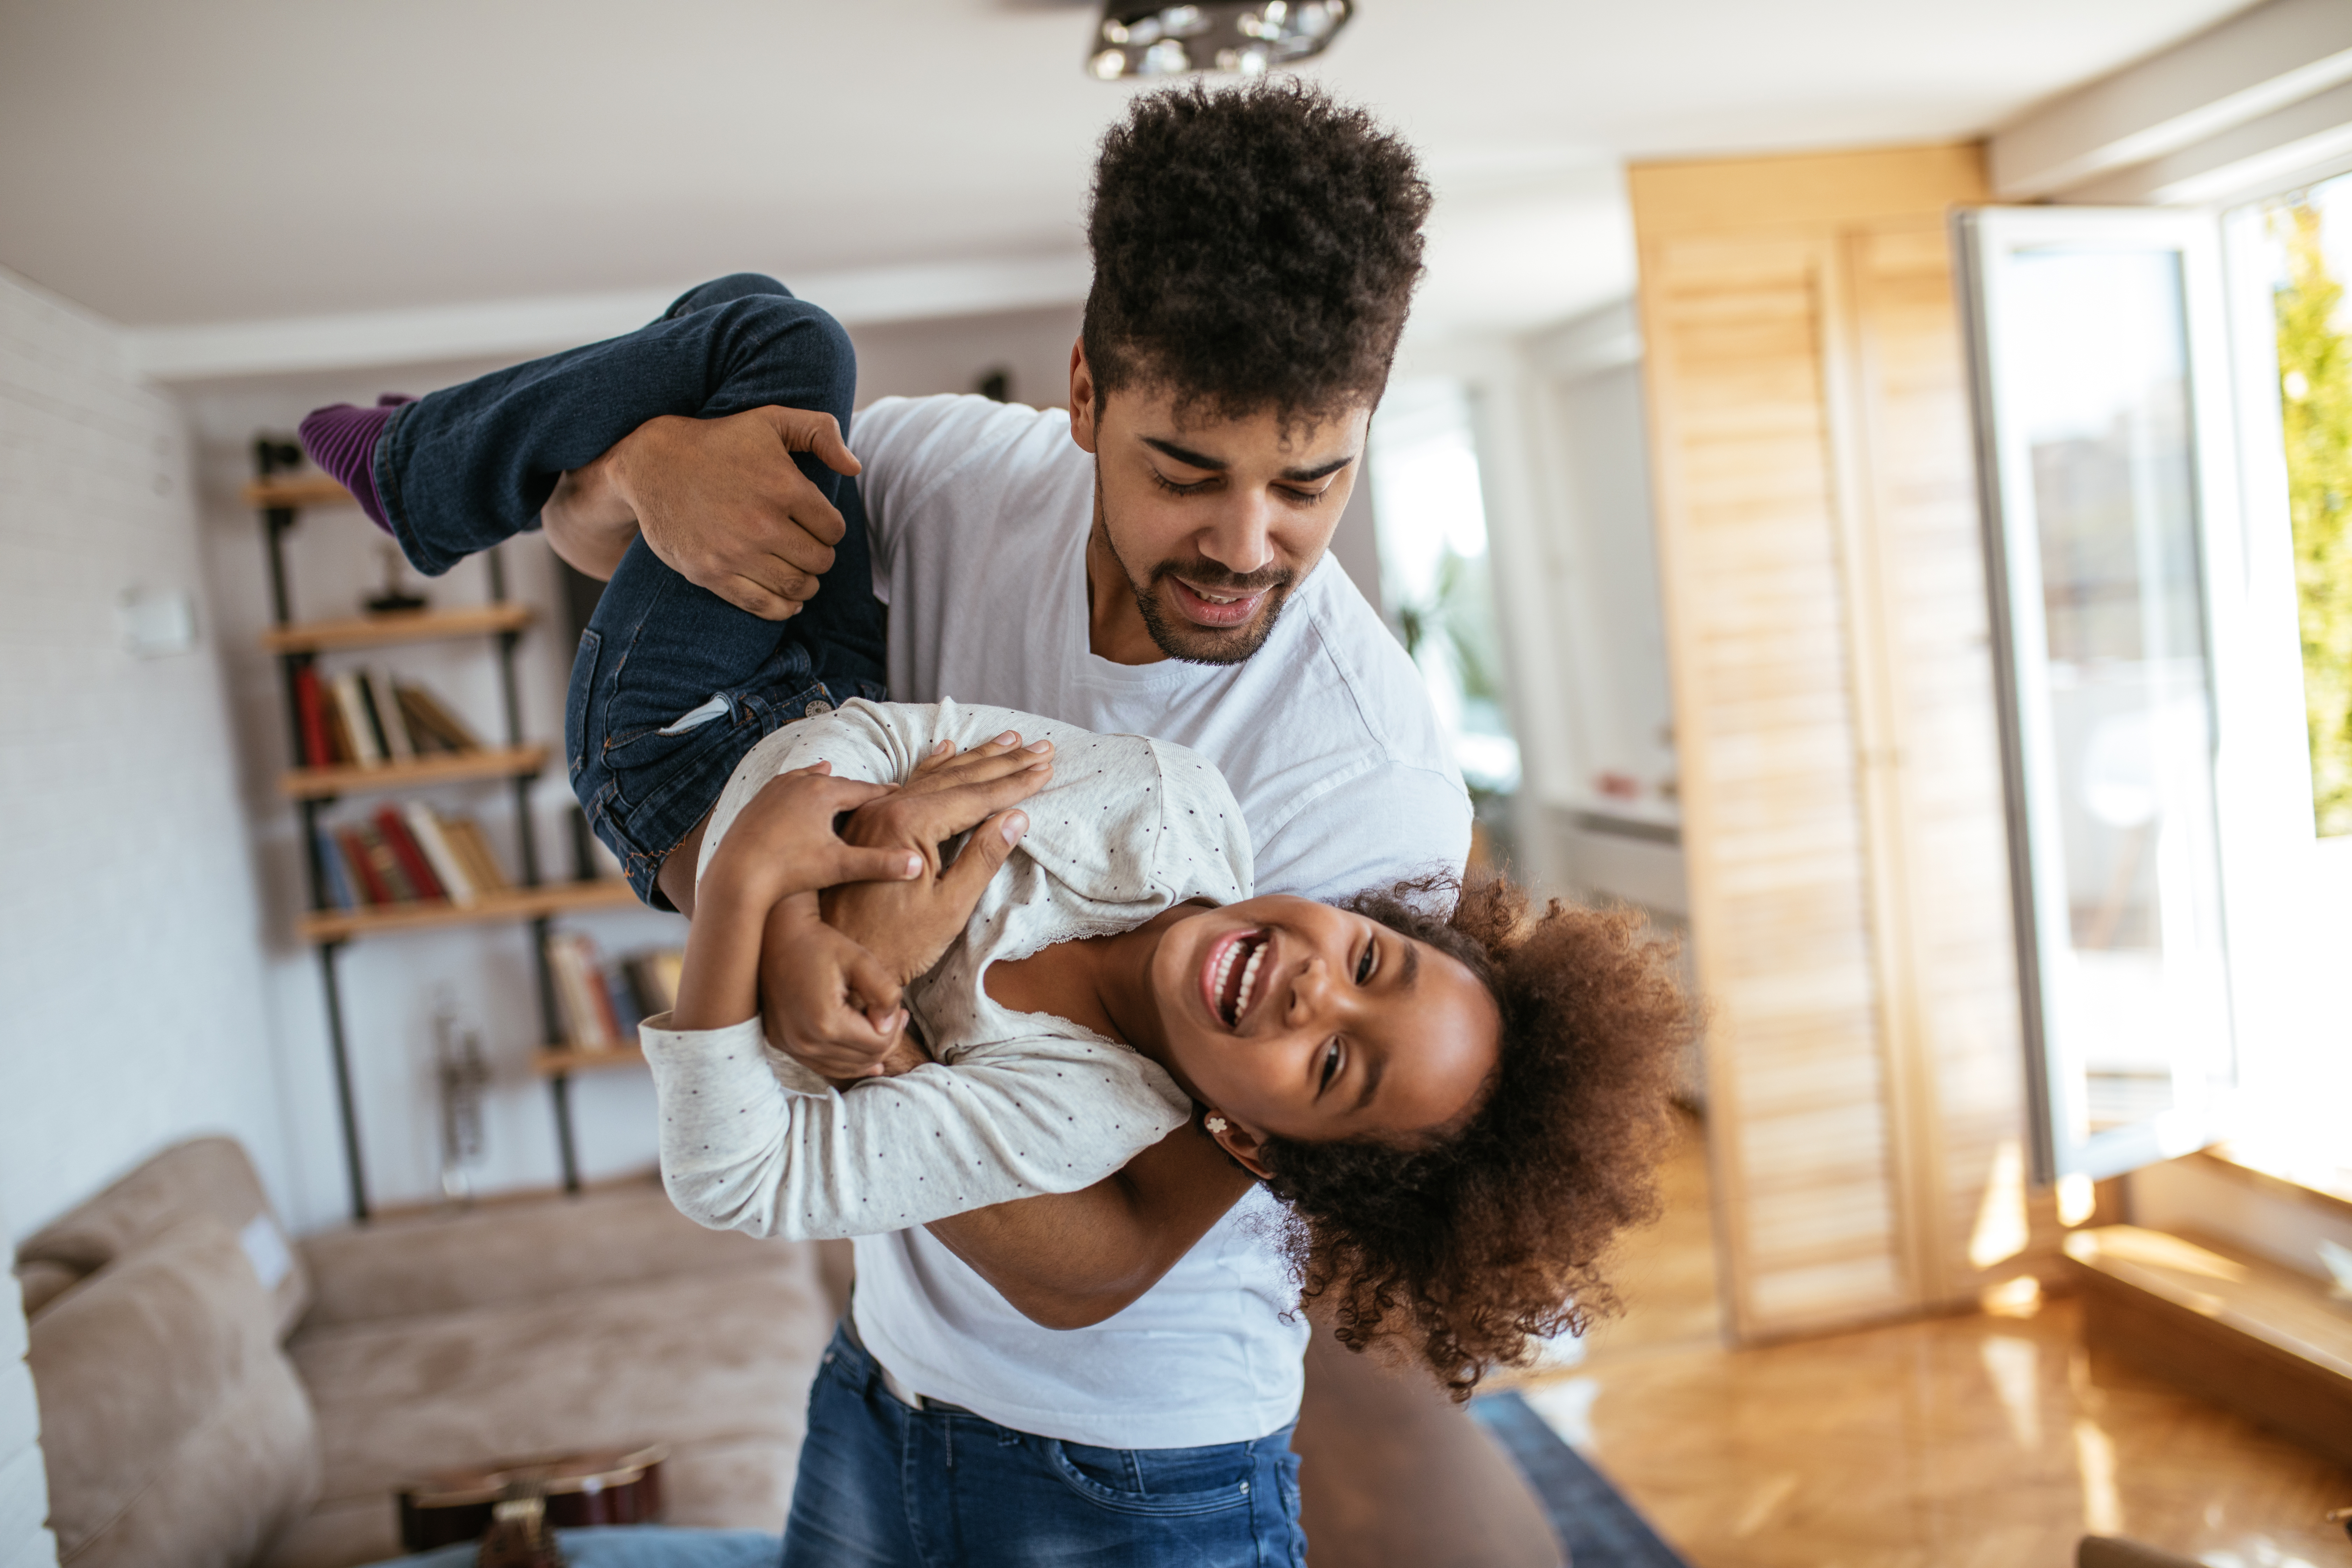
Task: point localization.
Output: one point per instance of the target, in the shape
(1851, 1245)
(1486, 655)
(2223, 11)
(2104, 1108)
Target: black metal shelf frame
(276, 457)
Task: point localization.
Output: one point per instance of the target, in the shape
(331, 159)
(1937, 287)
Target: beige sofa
(213, 1396)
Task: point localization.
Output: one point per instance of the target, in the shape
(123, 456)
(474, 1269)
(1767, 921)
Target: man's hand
(824, 1000)
(720, 501)
(908, 924)
(829, 992)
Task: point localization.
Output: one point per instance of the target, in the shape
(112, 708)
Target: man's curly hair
(1465, 1251)
(1256, 247)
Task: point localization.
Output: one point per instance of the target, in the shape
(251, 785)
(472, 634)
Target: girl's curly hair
(1466, 1251)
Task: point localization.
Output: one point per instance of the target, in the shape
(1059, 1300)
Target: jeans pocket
(575, 701)
(1113, 1488)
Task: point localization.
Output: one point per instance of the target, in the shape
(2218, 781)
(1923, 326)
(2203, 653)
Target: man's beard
(1182, 640)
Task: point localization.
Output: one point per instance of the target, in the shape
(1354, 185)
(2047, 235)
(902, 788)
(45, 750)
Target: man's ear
(1245, 1146)
(1084, 409)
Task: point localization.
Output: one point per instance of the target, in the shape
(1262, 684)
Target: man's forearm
(587, 521)
(1069, 1260)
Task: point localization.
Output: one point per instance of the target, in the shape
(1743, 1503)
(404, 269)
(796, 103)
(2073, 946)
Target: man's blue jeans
(671, 685)
(883, 1485)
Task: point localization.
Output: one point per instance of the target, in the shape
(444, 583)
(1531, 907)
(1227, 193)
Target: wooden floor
(1983, 1441)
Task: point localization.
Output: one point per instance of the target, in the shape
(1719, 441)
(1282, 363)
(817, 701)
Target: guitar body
(612, 1486)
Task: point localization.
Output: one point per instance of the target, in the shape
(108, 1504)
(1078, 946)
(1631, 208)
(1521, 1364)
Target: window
(1430, 512)
(2095, 356)
(2165, 418)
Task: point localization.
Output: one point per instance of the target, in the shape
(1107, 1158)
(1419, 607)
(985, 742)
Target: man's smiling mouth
(1220, 610)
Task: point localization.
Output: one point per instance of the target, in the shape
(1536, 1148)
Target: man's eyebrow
(1190, 459)
(1309, 476)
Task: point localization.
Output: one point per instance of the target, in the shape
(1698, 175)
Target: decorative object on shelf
(1245, 40)
(463, 1076)
(405, 867)
(395, 597)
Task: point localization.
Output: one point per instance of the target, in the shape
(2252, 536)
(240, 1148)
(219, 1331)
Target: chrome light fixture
(1241, 38)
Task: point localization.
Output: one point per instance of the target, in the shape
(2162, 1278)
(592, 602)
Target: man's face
(1210, 522)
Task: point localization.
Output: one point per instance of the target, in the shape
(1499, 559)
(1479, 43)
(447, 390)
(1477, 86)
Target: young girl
(1458, 1111)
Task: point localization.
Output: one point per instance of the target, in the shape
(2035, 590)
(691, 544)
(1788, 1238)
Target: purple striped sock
(342, 439)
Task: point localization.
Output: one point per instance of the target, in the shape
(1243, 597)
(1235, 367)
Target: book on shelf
(653, 978)
(408, 854)
(414, 868)
(602, 1002)
(359, 730)
(367, 718)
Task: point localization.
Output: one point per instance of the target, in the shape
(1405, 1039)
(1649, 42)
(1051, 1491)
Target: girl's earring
(1215, 1123)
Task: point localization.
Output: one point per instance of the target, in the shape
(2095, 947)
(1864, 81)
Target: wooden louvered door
(1843, 829)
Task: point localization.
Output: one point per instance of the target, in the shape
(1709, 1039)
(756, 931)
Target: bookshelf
(384, 631)
(280, 496)
(507, 904)
(489, 762)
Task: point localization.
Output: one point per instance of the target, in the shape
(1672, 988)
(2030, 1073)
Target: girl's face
(1291, 1019)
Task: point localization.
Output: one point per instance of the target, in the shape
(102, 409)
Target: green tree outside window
(2315, 407)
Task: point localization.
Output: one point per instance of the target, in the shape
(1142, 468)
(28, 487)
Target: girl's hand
(783, 842)
(908, 922)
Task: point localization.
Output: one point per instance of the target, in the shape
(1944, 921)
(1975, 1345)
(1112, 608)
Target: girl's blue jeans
(671, 684)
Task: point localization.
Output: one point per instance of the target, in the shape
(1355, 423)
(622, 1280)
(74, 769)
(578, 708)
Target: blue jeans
(671, 684)
(883, 1485)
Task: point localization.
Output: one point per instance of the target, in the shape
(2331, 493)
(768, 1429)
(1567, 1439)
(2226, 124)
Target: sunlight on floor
(1978, 1441)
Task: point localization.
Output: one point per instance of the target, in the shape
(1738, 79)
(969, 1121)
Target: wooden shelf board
(555, 1061)
(444, 767)
(416, 625)
(298, 490)
(507, 904)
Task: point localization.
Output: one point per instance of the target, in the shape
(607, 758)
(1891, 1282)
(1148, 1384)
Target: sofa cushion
(174, 1430)
(204, 1176)
(538, 1248)
(606, 1321)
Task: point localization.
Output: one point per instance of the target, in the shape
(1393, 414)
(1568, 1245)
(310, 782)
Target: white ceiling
(164, 163)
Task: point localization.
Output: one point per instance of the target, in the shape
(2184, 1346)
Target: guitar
(610, 1486)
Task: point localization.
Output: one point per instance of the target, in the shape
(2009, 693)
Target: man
(1152, 562)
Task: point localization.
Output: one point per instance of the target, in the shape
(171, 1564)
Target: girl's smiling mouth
(1229, 974)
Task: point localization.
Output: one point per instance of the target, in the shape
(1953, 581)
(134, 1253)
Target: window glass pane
(1430, 511)
(2311, 241)
(2097, 385)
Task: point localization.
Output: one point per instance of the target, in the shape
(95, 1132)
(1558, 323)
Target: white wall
(129, 925)
(25, 1539)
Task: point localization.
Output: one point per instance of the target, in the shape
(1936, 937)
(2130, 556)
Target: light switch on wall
(157, 621)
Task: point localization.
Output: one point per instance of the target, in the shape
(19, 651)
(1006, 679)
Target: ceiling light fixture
(1241, 38)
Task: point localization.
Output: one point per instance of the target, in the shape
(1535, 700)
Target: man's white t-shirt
(979, 514)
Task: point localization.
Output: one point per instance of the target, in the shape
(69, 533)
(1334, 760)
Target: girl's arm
(782, 850)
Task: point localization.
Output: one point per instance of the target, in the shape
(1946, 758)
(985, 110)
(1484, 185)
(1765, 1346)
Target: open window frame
(2197, 793)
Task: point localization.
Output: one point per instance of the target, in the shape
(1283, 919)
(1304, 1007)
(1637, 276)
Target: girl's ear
(1245, 1146)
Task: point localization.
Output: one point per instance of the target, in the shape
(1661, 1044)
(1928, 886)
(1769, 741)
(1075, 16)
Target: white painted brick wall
(129, 932)
(24, 1538)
